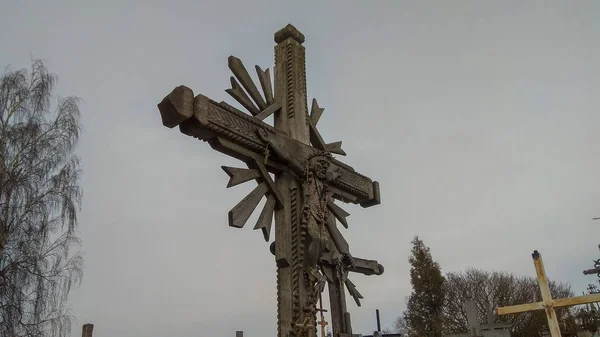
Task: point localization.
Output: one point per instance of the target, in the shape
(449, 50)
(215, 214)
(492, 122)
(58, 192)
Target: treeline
(435, 305)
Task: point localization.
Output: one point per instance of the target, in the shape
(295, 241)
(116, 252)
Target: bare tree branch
(39, 201)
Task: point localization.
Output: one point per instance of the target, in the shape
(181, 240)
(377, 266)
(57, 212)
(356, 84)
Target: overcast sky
(479, 119)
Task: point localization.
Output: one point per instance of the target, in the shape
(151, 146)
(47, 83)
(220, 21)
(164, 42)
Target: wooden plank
(265, 82)
(267, 179)
(315, 112)
(546, 295)
(365, 267)
(513, 309)
(340, 243)
(240, 72)
(239, 175)
(335, 147)
(357, 296)
(239, 95)
(585, 299)
(177, 106)
(315, 138)
(242, 211)
(265, 220)
(269, 111)
(339, 213)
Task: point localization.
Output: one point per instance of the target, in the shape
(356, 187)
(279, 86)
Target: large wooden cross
(548, 303)
(296, 173)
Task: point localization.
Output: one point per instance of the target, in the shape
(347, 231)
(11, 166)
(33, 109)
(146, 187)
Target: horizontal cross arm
(577, 300)
(235, 133)
(360, 266)
(557, 303)
(514, 309)
(366, 267)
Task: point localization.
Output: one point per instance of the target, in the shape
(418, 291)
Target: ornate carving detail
(297, 247)
(278, 302)
(354, 183)
(303, 87)
(289, 70)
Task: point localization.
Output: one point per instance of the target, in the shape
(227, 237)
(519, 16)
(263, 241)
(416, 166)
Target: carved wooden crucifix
(548, 303)
(309, 249)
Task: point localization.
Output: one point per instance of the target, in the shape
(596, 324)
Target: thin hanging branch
(40, 197)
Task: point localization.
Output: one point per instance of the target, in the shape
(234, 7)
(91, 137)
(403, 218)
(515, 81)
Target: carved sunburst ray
(244, 91)
(240, 213)
(357, 296)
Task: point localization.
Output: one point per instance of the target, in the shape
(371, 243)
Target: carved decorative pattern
(303, 87)
(354, 184)
(289, 69)
(296, 249)
(279, 302)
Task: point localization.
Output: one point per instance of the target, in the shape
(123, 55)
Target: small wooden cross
(548, 303)
(322, 322)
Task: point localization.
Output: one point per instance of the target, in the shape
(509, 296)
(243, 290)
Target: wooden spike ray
(265, 82)
(238, 216)
(239, 95)
(315, 112)
(269, 111)
(262, 169)
(240, 72)
(266, 217)
(339, 213)
(335, 147)
(353, 291)
(317, 141)
(240, 175)
(337, 237)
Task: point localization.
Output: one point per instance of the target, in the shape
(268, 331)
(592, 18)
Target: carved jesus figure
(313, 171)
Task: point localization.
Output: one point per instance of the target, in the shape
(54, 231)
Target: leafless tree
(497, 289)
(39, 201)
(400, 326)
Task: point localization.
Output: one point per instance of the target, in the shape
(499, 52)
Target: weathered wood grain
(177, 106)
(339, 213)
(239, 95)
(240, 72)
(240, 175)
(265, 82)
(238, 216)
(266, 217)
(315, 112)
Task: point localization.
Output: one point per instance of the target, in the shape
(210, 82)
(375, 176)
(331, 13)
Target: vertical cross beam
(546, 296)
(340, 318)
(292, 119)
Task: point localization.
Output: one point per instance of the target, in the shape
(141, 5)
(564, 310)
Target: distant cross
(87, 330)
(297, 175)
(322, 322)
(472, 319)
(548, 303)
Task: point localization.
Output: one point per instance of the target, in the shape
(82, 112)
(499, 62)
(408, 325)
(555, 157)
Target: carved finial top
(287, 32)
